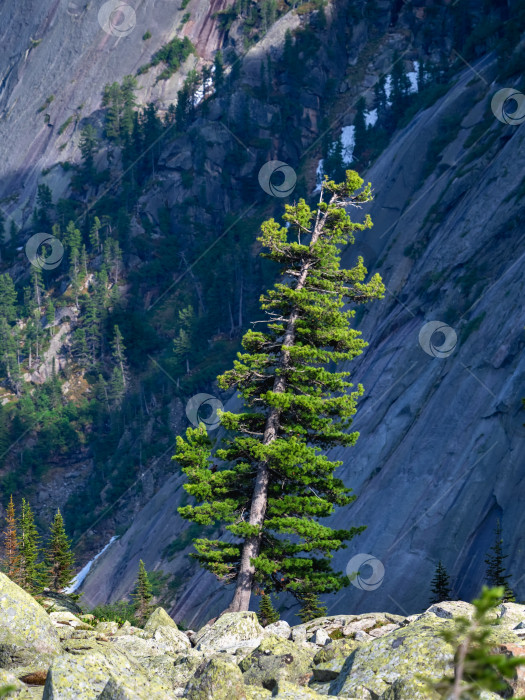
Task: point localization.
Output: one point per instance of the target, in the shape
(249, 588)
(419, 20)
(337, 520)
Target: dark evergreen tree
(311, 606)
(267, 614)
(8, 298)
(440, 585)
(496, 572)
(31, 574)
(59, 557)
(277, 484)
(11, 558)
(142, 594)
(88, 147)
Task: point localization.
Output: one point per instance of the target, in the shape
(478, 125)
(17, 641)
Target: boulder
(64, 617)
(410, 689)
(280, 628)
(161, 628)
(329, 661)
(320, 638)
(216, 679)
(136, 688)
(27, 635)
(85, 676)
(159, 618)
(384, 629)
(451, 608)
(59, 602)
(512, 615)
(290, 691)
(9, 679)
(415, 650)
(108, 627)
(229, 632)
(277, 659)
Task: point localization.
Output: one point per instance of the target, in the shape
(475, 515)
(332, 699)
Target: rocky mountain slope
(447, 240)
(376, 656)
(439, 458)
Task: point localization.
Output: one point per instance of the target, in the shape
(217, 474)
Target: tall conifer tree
(59, 559)
(276, 484)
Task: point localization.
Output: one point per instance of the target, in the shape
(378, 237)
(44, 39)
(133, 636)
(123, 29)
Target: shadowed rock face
(440, 455)
(58, 48)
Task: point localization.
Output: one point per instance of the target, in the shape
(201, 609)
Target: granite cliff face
(440, 457)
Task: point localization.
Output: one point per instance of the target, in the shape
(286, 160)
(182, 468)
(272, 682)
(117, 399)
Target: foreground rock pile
(53, 653)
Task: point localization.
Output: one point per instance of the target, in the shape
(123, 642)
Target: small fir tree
(59, 557)
(496, 572)
(11, 545)
(267, 614)
(440, 585)
(142, 594)
(31, 574)
(311, 607)
(476, 667)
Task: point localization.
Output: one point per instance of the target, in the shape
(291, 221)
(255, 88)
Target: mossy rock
(277, 659)
(85, 676)
(329, 661)
(290, 691)
(159, 618)
(136, 688)
(216, 680)
(409, 652)
(230, 631)
(27, 635)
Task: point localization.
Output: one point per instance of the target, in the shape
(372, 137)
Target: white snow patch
(348, 143)
(388, 86)
(370, 118)
(412, 76)
(80, 577)
(319, 175)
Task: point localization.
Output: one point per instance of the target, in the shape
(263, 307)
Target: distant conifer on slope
(440, 585)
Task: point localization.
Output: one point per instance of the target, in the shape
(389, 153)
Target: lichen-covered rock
(84, 676)
(280, 628)
(382, 630)
(277, 659)
(60, 602)
(451, 608)
(159, 618)
(64, 617)
(135, 688)
(230, 631)
(320, 637)
(163, 640)
(254, 693)
(511, 615)
(290, 691)
(27, 635)
(410, 689)
(161, 628)
(216, 680)
(107, 627)
(9, 679)
(406, 653)
(329, 661)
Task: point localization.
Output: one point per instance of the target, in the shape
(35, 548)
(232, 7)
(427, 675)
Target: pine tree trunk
(243, 590)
